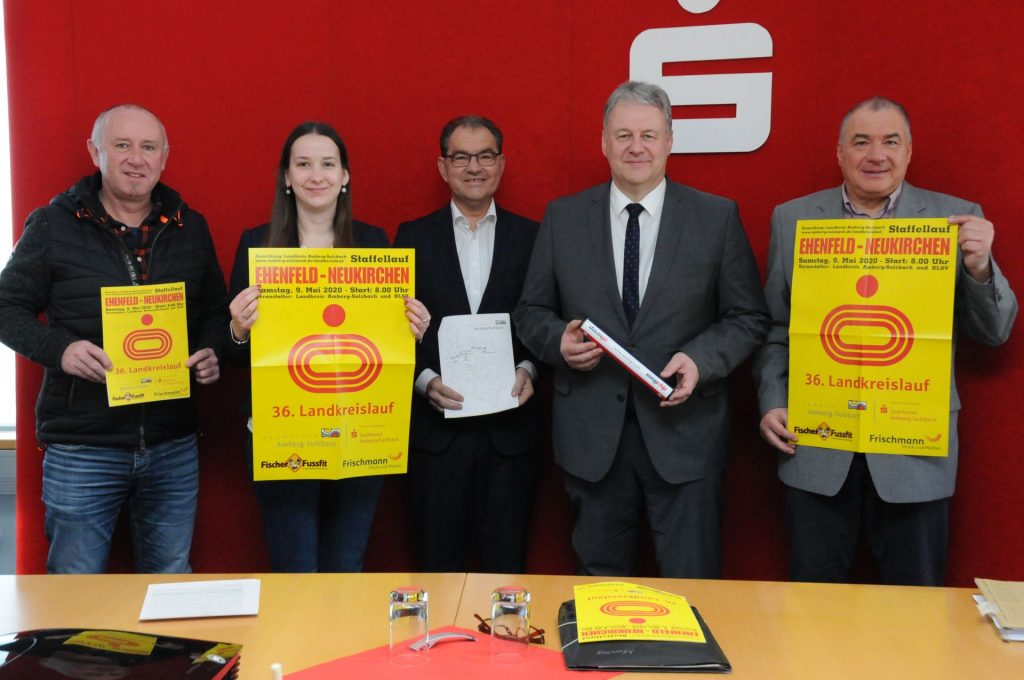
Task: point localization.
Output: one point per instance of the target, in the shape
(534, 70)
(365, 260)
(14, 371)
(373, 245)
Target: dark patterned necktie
(631, 264)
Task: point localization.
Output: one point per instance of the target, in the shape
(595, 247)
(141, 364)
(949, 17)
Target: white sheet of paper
(198, 599)
(477, 362)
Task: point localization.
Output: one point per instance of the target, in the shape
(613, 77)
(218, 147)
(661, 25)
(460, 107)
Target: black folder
(650, 656)
(58, 653)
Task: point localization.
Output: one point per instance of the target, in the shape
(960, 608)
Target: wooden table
(304, 619)
(768, 630)
(804, 630)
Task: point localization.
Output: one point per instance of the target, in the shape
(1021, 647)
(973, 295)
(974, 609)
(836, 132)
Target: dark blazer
(985, 311)
(363, 236)
(703, 298)
(439, 286)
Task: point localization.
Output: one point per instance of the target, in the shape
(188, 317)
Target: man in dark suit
(471, 480)
(667, 271)
(901, 500)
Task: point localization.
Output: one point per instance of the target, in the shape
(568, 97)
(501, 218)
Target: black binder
(55, 653)
(650, 656)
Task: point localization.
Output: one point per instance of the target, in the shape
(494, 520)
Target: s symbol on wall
(751, 93)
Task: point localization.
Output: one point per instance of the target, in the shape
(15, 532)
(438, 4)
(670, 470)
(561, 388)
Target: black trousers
(684, 517)
(910, 541)
(467, 495)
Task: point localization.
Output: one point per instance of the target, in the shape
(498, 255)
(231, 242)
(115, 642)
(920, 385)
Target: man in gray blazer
(901, 501)
(667, 271)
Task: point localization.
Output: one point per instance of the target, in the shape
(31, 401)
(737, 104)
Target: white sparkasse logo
(750, 92)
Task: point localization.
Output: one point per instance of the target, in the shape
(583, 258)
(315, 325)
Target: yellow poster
(145, 334)
(332, 362)
(616, 610)
(870, 334)
(114, 641)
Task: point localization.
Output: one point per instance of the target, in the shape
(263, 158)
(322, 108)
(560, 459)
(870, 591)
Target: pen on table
(276, 672)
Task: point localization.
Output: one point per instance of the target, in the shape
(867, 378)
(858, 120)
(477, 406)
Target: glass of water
(408, 622)
(510, 624)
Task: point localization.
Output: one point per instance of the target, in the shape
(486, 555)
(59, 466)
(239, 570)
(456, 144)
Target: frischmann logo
(147, 343)
(331, 381)
(750, 93)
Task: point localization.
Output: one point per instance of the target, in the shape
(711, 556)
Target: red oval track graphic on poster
(328, 379)
(148, 343)
(634, 608)
(882, 351)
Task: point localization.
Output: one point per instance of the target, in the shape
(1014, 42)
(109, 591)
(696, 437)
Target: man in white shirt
(471, 480)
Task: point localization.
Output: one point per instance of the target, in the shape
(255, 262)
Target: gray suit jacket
(985, 311)
(703, 298)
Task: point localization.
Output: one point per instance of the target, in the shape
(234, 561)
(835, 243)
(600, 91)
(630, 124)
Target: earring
(344, 189)
(288, 190)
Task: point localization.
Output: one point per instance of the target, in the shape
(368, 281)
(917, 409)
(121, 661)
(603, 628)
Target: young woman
(310, 525)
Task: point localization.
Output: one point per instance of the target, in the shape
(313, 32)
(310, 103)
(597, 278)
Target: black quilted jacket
(65, 255)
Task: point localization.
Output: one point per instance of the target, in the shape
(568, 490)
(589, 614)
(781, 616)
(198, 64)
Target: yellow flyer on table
(145, 334)
(616, 610)
(332, 362)
(870, 335)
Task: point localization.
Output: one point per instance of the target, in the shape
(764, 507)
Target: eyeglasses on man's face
(484, 158)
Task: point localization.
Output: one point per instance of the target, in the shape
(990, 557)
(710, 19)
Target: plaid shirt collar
(138, 241)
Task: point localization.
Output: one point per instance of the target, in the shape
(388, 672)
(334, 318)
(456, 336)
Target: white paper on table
(478, 363)
(198, 599)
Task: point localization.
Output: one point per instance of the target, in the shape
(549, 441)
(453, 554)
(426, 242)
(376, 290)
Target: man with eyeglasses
(666, 270)
(471, 480)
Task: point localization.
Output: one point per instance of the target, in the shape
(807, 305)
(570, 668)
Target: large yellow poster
(145, 334)
(870, 335)
(332, 362)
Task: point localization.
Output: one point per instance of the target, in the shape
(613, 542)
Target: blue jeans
(315, 525)
(85, 487)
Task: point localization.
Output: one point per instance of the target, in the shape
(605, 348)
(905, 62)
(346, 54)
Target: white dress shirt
(650, 221)
(475, 248)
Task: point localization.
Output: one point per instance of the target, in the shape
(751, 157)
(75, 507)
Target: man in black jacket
(117, 227)
(471, 480)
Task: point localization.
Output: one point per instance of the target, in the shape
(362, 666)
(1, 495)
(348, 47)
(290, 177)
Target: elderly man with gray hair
(117, 227)
(667, 272)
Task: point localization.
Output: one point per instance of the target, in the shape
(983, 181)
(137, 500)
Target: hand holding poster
(332, 362)
(145, 334)
(870, 335)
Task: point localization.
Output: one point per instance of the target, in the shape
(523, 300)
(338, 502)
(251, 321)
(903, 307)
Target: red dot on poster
(638, 620)
(334, 315)
(867, 286)
(147, 319)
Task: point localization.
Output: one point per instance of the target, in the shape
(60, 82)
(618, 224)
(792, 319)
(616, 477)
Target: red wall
(230, 79)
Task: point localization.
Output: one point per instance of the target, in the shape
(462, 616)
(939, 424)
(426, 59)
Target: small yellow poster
(117, 641)
(145, 334)
(870, 335)
(332, 362)
(616, 610)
